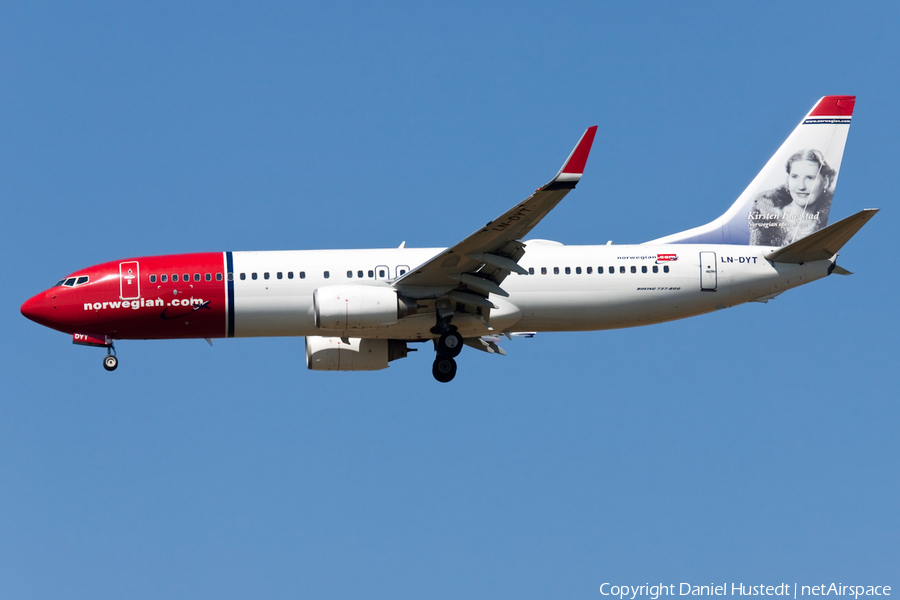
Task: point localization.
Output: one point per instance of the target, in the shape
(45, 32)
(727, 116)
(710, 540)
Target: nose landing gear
(110, 362)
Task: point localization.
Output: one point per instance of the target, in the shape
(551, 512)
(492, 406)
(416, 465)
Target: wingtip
(578, 158)
(573, 168)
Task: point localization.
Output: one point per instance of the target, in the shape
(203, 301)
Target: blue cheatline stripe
(230, 278)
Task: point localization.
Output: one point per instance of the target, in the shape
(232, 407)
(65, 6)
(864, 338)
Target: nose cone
(40, 309)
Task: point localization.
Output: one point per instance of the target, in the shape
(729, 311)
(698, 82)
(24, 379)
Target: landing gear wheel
(444, 369)
(110, 362)
(450, 344)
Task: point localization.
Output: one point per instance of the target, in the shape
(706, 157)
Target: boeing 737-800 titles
(361, 309)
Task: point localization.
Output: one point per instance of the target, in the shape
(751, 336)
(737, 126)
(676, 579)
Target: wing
(476, 266)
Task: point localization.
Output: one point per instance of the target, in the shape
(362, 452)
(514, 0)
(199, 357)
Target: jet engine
(351, 354)
(346, 307)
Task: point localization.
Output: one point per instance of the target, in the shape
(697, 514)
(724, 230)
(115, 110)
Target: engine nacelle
(347, 307)
(351, 354)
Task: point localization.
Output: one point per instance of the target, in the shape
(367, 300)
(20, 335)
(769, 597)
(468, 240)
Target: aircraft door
(382, 272)
(708, 275)
(129, 280)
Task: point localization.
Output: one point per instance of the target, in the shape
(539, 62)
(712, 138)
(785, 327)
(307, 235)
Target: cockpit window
(73, 281)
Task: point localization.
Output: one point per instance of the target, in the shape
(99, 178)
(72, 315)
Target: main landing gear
(444, 368)
(110, 362)
(448, 347)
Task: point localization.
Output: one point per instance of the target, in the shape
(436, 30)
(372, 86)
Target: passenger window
(266, 275)
(196, 276)
(568, 271)
(359, 274)
(175, 277)
(349, 274)
(556, 270)
(327, 274)
(403, 271)
(290, 274)
(381, 272)
(543, 270)
(208, 277)
(600, 270)
(531, 270)
(643, 269)
(633, 269)
(621, 269)
(371, 274)
(253, 276)
(153, 279)
(163, 278)
(655, 269)
(279, 275)
(302, 274)
(81, 280)
(613, 270)
(578, 270)
(186, 278)
(666, 269)
(243, 276)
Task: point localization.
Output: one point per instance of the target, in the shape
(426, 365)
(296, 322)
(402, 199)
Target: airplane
(361, 309)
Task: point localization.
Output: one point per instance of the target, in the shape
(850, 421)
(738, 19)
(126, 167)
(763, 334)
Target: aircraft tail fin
(791, 196)
(825, 243)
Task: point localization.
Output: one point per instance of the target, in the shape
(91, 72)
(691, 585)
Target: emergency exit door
(708, 275)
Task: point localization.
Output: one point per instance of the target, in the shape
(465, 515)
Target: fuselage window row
(278, 275)
(360, 274)
(600, 270)
(72, 281)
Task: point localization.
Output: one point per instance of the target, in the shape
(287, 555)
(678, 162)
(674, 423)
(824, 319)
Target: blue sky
(757, 444)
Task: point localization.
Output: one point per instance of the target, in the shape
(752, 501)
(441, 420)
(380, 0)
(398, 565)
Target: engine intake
(351, 354)
(347, 307)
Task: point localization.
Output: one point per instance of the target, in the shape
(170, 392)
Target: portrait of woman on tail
(798, 208)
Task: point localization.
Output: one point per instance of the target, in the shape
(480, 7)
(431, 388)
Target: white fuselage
(573, 288)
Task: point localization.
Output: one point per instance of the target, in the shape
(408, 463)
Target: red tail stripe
(834, 106)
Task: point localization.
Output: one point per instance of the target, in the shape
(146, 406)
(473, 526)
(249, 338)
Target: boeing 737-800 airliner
(361, 309)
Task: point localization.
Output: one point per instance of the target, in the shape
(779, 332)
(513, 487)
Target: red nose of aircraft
(41, 309)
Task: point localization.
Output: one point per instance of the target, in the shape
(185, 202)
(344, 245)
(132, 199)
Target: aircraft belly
(275, 315)
(414, 328)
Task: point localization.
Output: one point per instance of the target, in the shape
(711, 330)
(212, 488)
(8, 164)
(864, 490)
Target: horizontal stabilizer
(825, 243)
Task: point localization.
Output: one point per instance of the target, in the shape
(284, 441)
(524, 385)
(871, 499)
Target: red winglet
(834, 106)
(579, 155)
